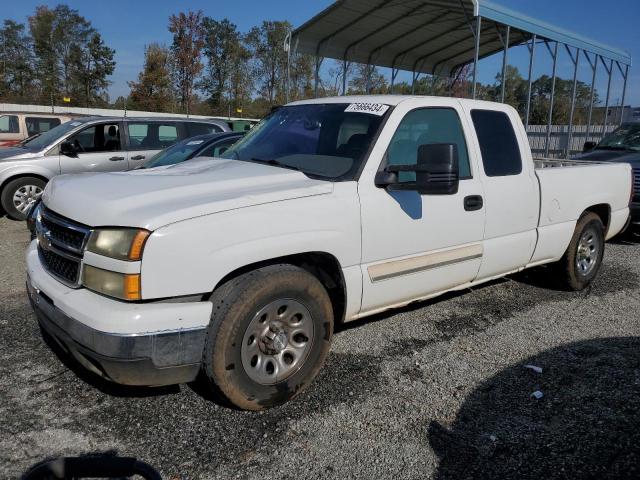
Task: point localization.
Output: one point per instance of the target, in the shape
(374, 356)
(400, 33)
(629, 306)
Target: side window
(151, 135)
(98, 138)
(9, 124)
(40, 124)
(194, 129)
(219, 148)
(424, 126)
(498, 143)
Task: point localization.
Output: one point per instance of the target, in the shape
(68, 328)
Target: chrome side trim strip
(428, 261)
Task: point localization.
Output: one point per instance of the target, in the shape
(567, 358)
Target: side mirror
(436, 171)
(68, 149)
(588, 146)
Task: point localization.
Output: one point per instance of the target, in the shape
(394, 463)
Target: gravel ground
(437, 390)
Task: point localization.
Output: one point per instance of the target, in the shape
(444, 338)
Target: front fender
(19, 168)
(191, 257)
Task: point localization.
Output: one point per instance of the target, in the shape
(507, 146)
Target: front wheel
(19, 194)
(269, 335)
(583, 258)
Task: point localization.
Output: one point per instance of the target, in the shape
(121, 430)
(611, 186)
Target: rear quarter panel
(566, 192)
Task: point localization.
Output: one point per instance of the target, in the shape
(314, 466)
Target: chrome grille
(61, 245)
(636, 184)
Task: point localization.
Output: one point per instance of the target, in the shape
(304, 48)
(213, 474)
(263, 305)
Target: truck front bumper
(122, 355)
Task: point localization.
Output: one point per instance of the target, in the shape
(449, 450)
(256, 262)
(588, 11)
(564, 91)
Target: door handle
(116, 159)
(138, 157)
(473, 203)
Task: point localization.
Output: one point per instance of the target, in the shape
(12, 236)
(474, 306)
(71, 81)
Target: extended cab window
(152, 135)
(98, 138)
(427, 126)
(9, 124)
(498, 143)
(40, 124)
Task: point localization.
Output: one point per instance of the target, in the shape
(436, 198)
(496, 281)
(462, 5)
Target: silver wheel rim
(25, 196)
(277, 341)
(588, 251)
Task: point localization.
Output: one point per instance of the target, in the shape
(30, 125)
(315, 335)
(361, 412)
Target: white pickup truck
(237, 269)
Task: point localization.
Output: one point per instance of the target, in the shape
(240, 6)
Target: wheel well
(604, 212)
(22, 175)
(324, 266)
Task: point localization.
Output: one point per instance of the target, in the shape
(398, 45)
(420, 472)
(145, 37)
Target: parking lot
(435, 390)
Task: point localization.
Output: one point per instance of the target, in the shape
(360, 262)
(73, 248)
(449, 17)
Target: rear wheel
(19, 194)
(583, 258)
(269, 335)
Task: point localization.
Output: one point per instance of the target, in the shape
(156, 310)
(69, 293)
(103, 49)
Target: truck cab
(329, 210)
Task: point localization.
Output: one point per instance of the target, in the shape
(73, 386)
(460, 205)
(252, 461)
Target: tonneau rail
(559, 162)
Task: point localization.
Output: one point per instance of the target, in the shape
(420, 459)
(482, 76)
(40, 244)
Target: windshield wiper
(275, 163)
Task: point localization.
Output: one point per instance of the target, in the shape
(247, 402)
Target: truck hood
(156, 197)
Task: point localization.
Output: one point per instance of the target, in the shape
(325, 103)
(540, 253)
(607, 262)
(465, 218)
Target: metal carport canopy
(428, 36)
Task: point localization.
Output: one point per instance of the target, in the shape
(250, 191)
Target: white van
(15, 127)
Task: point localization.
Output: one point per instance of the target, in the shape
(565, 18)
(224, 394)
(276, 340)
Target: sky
(127, 26)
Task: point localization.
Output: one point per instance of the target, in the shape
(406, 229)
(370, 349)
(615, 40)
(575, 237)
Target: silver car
(95, 144)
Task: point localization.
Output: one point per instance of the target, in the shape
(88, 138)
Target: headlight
(118, 243)
(120, 285)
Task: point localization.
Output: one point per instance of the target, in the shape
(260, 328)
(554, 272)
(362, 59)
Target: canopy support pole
(554, 54)
(504, 63)
(476, 54)
(344, 76)
(316, 80)
(368, 86)
(594, 68)
(532, 53)
(575, 61)
(394, 74)
(625, 75)
(606, 103)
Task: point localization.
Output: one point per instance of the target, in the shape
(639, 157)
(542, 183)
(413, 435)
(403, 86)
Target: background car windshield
(318, 139)
(47, 138)
(174, 154)
(626, 137)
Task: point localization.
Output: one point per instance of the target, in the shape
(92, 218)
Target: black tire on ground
(10, 189)
(582, 260)
(236, 305)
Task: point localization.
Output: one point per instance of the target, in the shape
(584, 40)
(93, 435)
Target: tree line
(212, 68)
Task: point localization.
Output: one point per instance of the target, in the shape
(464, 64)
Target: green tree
(267, 48)
(153, 90)
(90, 67)
(188, 41)
(222, 49)
(62, 41)
(367, 78)
(17, 73)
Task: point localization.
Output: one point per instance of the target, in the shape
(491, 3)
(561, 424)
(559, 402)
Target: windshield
(47, 138)
(626, 137)
(322, 140)
(175, 154)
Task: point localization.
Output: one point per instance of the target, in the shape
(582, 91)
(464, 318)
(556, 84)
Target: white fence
(560, 136)
(105, 112)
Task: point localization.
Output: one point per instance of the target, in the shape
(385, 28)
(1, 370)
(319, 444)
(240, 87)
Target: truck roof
(388, 99)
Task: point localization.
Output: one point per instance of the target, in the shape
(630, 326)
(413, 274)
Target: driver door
(414, 245)
(99, 150)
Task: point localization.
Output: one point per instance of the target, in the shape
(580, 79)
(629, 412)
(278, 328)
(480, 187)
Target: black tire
(10, 189)
(235, 307)
(570, 275)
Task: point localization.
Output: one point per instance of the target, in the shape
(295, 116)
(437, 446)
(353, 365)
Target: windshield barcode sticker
(372, 108)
